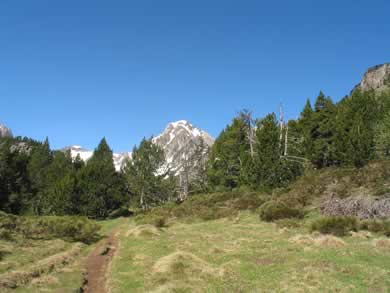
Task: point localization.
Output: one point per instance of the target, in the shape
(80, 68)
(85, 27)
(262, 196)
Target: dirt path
(98, 264)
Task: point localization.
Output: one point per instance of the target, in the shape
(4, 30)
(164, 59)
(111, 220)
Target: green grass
(22, 253)
(243, 255)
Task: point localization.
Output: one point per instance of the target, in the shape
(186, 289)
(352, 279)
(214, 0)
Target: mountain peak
(180, 122)
(178, 140)
(375, 78)
(5, 131)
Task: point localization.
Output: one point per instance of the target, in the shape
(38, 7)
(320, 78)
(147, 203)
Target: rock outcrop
(376, 78)
(180, 141)
(4, 131)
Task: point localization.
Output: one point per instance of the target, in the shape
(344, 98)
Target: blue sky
(76, 71)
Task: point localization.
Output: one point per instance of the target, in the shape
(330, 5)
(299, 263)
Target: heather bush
(274, 210)
(338, 226)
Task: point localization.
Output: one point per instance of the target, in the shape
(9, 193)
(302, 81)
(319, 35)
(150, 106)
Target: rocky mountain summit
(376, 78)
(5, 131)
(180, 140)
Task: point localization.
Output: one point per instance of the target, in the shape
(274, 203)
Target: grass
(243, 255)
(37, 255)
(217, 243)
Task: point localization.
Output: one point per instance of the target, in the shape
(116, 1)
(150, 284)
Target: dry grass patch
(361, 234)
(321, 241)
(143, 231)
(45, 280)
(329, 241)
(18, 278)
(302, 240)
(185, 264)
(382, 243)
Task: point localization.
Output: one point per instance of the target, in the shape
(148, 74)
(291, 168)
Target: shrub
(75, 229)
(274, 210)
(121, 212)
(8, 221)
(372, 225)
(338, 226)
(249, 201)
(376, 226)
(288, 223)
(160, 222)
(71, 228)
(5, 234)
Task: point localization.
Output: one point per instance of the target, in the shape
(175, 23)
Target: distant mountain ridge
(179, 140)
(85, 155)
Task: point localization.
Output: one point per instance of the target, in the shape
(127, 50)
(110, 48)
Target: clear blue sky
(76, 71)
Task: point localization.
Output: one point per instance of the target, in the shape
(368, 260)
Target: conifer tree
(101, 187)
(147, 180)
(355, 122)
(229, 157)
(322, 132)
(305, 127)
(382, 137)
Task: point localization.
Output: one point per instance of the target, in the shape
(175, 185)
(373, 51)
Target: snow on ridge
(179, 122)
(85, 155)
(173, 139)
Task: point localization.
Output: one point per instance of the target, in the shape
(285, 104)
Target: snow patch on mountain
(118, 158)
(178, 140)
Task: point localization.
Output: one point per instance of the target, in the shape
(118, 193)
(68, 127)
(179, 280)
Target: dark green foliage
(120, 212)
(160, 222)
(355, 122)
(100, 187)
(382, 137)
(322, 133)
(304, 130)
(147, 182)
(270, 168)
(16, 192)
(229, 154)
(243, 156)
(338, 226)
(72, 228)
(376, 226)
(274, 210)
(205, 207)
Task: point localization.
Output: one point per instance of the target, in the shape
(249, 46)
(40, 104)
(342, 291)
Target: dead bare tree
(246, 116)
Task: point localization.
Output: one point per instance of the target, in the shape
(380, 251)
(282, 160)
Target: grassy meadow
(243, 254)
(238, 241)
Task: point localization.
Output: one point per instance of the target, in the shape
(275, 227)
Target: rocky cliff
(376, 78)
(180, 141)
(4, 131)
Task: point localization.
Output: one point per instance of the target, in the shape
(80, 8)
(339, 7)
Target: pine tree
(148, 183)
(322, 132)
(382, 137)
(229, 157)
(40, 159)
(101, 188)
(354, 129)
(55, 198)
(305, 127)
